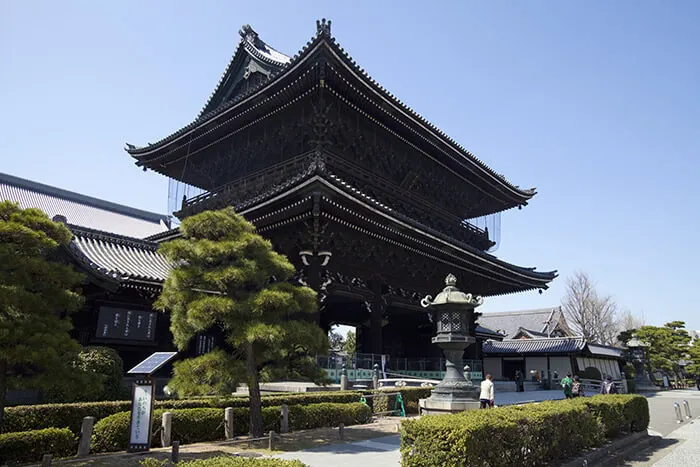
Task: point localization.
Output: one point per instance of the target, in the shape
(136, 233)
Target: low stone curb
(613, 450)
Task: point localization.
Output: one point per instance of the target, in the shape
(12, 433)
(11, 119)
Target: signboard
(141, 414)
(121, 323)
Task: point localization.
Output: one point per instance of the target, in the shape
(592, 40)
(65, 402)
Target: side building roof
(78, 209)
(119, 260)
(535, 323)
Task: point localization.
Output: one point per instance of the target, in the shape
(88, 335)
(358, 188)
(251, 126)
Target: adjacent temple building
(372, 203)
(367, 199)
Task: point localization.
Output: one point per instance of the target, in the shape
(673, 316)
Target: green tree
(351, 342)
(214, 373)
(36, 298)
(668, 345)
(694, 352)
(336, 341)
(228, 276)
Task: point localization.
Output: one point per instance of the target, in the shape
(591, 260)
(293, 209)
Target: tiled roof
(117, 257)
(535, 346)
(509, 323)
(605, 350)
(323, 36)
(82, 210)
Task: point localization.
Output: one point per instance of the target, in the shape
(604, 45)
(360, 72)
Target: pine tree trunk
(3, 391)
(256, 421)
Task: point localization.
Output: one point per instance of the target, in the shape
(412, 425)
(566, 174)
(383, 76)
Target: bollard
(46, 460)
(270, 440)
(228, 422)
(375, 377)
(166, 429)
(679, 415)
(175, 454)
(343, 379)
(284, 422)
(85, 436)
(687, 410)
(341, 431)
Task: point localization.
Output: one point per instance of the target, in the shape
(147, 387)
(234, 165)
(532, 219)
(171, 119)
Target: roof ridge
(523, 312)
(83, 199)
(96, 234)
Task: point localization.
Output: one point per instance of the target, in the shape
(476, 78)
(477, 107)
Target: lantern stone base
(432, 406)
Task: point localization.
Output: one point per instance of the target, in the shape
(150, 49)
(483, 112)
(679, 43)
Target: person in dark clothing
(519, 381)
(608, 386)
(577, 387)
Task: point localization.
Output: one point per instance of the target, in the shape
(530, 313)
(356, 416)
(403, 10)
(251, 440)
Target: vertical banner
(141, 414)
(384, 365)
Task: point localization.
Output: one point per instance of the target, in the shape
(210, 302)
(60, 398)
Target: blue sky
(596, 103)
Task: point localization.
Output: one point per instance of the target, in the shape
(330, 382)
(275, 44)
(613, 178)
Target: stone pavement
(378, 452)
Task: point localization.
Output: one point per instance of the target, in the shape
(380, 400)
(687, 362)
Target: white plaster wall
(493, 366)
(561, 364)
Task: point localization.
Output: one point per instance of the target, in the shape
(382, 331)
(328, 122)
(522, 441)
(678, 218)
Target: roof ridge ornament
(323, 26)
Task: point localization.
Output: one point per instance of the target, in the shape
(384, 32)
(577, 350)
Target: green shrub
(30, 446)
(227, 461)
(535, 434)
(107, 363)
(206, 424)
(34, 417)
(327, 414)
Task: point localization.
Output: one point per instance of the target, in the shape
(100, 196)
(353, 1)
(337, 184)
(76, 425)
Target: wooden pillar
(377, 308)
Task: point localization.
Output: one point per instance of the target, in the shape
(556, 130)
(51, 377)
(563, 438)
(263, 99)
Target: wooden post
(46, 460)
(85, 436)
(166, 429)
(284, 422)
(228, 422)
(175, 454)
(270, 440)
(341, 431)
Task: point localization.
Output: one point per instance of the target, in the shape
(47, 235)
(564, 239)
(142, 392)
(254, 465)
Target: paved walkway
(680, 444)
(378, 452)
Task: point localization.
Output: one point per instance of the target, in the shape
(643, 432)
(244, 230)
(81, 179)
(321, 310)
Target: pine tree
(229, 277)
(35, 299)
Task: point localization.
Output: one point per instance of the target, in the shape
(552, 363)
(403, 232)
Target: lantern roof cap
(452, 295)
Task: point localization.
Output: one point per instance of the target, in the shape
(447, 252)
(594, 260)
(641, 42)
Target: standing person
(577, 387)
(486, 397)
(697, 382)
(567, 383)
(519, 381)
(608, 386)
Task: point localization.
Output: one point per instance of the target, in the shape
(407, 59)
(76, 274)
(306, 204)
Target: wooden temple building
(371, 203)
(369, 200)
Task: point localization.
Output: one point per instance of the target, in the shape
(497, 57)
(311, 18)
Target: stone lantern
(638, 357)
(453, 312)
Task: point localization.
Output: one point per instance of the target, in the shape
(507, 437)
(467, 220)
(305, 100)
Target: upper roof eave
(321, 37)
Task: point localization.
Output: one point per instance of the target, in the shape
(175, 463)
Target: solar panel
(152, 363)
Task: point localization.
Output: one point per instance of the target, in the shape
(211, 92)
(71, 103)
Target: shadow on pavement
(657, 445)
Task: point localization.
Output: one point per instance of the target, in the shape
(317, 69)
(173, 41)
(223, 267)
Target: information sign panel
(141, 414)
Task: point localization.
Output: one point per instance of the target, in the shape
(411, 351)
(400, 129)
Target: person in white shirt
(486, 396)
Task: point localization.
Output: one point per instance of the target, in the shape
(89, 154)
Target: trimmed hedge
(30, 446)
(227, 461)
(410, 398)
(206, 424)
(34, 417)
(531, 435)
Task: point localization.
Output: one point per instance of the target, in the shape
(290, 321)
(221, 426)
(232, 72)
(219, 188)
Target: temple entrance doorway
(510, 365)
